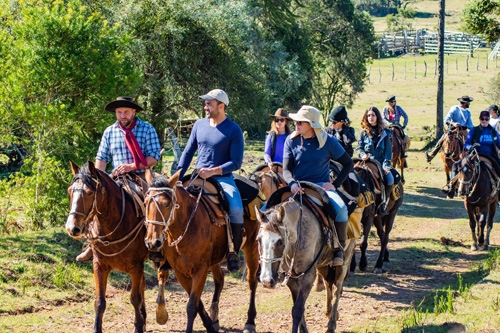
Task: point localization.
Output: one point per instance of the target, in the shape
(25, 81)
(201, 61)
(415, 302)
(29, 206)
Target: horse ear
(258, 213)
(92, 169)
(174, 179)
(74, 168)
(148, 175)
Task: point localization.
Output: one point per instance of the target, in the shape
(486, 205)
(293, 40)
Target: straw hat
(313, 117)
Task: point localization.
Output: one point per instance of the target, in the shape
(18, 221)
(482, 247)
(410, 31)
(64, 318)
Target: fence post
(471, 49)
(486, 61)
(435, 67)
(392, 71)
(425, 71)
(477, 64)
(467, 63)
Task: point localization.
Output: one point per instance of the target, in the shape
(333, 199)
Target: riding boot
(434, 151)
(451, 191)
(338, 254)
(85, 255)
(386, 195)
(233, 261)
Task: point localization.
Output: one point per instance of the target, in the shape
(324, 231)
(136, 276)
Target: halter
(80, 188)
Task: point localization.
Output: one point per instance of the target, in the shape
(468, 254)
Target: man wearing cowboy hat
(459, 117)
(220, 145)
(307, 155)
(130, 143)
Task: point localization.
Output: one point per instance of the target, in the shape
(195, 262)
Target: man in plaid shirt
(130, 143)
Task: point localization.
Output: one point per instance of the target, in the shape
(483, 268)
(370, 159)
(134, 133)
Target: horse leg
(101, 274)
(480, 228)
(137, 298)
(491, 214)
(384, 227)
(353, 263)
(252, 262)
(367, 221)
(218, 277)
(161, 311)
(472, 225)
(300, 289)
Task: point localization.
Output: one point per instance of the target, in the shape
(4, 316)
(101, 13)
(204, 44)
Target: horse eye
(279, 243)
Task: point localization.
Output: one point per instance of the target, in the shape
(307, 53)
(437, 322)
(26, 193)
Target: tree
(483, 17)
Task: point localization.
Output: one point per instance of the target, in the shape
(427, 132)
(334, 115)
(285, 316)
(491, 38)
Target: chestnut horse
(398, 151)
(178, 224)
(293, 241)
(368, 171)
(103, 213)
(268, 180)
(479, 183)
(453, 145)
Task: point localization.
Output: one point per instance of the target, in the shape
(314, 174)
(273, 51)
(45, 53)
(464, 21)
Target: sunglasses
(299, 122)
(485, 119)
(280, 120)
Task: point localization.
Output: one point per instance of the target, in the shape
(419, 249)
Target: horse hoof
(378, 270)
(250, 329)
(161, 316)
(363, 268)
(473, 248)
(216, 326)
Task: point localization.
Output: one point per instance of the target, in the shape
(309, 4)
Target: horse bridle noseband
(80, 188)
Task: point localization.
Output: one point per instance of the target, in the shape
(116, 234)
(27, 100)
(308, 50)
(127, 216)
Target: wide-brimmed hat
(465, 99)
(484, 113)
(311, 115)
(217, 94)
(122, 102)
(339, 114)
(390, 98)
(280, 113)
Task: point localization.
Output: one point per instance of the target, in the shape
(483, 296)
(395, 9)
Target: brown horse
(103, 213)
(399, 149)
(178, 224)
(453, 145)
(479, 184)
(368, 171)
(268, 180)
(293, 241)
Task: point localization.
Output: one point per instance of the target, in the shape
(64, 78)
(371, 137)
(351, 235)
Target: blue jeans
(233, 197)
(338, 204)
(389, 179)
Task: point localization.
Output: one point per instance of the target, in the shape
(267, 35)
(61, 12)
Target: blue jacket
(382, 152)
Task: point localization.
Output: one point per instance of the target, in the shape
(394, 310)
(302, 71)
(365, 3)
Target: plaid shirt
(398, 113)
(113, 146)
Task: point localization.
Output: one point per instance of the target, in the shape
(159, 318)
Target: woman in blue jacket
(374, 143)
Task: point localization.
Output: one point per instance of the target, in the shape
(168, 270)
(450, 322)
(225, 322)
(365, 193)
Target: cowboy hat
(465, 99)
(280, 113)
(391, 98)
(217, 94)
(122, 102)
(311, 115)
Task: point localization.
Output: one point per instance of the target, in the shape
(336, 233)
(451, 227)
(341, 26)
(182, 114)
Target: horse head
(83, 192)
(452, 145)
(468, 172)
(161, 204)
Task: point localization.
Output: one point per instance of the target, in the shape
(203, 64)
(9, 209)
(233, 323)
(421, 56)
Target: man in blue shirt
(130, 143)
(219, 142)
(459, 115)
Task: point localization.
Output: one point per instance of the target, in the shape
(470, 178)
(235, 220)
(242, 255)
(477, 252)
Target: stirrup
(338, 258)
(233, 262)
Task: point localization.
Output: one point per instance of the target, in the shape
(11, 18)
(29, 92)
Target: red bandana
(133, 145)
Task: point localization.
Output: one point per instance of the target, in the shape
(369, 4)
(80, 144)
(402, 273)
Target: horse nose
(269, 283)
(154, 246)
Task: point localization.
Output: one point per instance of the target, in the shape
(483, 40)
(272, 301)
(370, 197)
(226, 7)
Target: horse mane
(85, 176)
(160, 181)
(273, 223)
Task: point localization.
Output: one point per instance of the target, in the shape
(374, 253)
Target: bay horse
(102, 212)
(269, 180)
(399, 149)
(293, 240)
(369, 172)
(179, 225)
(479, 184)
(453, 145)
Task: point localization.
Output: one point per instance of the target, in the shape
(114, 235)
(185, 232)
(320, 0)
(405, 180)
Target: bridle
(78, 187)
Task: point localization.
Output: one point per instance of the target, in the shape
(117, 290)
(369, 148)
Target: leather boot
(85, 255)
(434, 151)
(338, 254)
(233, 261)
(382, 209)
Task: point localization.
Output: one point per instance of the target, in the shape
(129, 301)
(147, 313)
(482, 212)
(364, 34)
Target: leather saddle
(136, 187)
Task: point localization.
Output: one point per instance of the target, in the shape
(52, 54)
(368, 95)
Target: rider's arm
(360, 146)
(347, 164)
(468, 140)
(404, 115)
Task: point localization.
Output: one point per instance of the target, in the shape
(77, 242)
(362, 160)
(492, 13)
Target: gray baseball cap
(217, 94)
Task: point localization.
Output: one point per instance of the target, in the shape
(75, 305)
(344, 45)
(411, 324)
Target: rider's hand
(123, 168)
(296, 188)
(209, 172)
(270, 165)
(328, 187)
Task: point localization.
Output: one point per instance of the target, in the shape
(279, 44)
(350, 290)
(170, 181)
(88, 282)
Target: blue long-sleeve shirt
(459, 115)
(381, 152)
(222, 145)
(488, 139)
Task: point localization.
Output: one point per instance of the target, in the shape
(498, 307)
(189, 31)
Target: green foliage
(493, 92)
(483, 17)
(412, 317)
(403, 20)
(378, 7)
(443, 301)
(68, 277)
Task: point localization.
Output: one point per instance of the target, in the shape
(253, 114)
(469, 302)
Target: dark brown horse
(293, 241)
(178, 224)
(268, 180)
(103, 213)
(453, 145)
(479, 184)
(399, 149)
(369, 172)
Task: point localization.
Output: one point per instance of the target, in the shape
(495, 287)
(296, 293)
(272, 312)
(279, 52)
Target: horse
(479, 184)
(102, 212)
(369, 172)
(269, 180)
(399, 149)
(453, 145)
(292, 239)
(176, 221)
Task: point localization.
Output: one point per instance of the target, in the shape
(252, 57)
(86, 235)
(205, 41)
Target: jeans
(338, 204)
(233, 197)
(389, 179)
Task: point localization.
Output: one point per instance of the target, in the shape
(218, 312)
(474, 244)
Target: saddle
(374, 168)
(493, 173)
(136, 187)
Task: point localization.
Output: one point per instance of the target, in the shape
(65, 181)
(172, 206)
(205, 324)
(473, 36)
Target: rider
(220, 145)
(275, 140)
(130, 143)
(488, 140)
(307, 155)
(374, 142)
(494, 120)
(459, 115)
(341, 129)
(392, 115)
